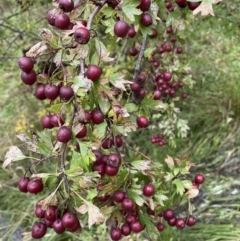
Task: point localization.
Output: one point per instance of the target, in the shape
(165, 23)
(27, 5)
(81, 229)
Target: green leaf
(100, 130)
(104, 106)
(136, 196)
(149, 103)
(160, 198)
(151, 229)
(45, 145)
(180, 186)
(131, 107)
(55, 108)
(130, 11)
(78, 161)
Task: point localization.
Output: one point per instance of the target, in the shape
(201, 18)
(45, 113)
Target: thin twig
(93, 14)
(140, 57)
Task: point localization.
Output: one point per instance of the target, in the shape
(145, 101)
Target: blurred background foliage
(212, 49)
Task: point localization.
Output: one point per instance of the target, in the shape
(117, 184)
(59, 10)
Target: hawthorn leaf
(46, 34)
(51, 199)
(94, 213)
(151, 228)
(13, 154)
(205, 9)
(136, 196)
(160, 198)
(102, 51)
(130, 11)
(29, 143)
(118, 81)
(37, 50)
(179, 185)
(170, 162)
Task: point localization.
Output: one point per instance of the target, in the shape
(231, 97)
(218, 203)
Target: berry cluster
(52, 218)
(158, 139)
(87, 116)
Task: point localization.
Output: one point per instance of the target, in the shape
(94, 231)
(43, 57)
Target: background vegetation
(212, 109)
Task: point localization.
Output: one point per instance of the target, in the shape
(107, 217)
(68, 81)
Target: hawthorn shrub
(111, 68)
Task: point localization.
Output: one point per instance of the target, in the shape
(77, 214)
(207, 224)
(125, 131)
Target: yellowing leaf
(169, 160)
(94, 213)
(37, 50)
(191, 193)
(204, 9)
(13, 154)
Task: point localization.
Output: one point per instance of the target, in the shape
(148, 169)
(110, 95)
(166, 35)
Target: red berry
(116, 234)
(180, 223)
(146, 19)
(191, 221)
(40, 92)
(121, 29)
(35, 185)
(111, 171)
(118, 196)
(51, 91)
(199, 179)
(51, 213)
(69, 220)
(39, 229)
(29, 78)
(160, 227)
(39, 212)
(66, 5)
(93, 72)
(64, 134)
(148, 190)
(82, 35)
(82, 133)
(168, 214)
(22, 184)
(126, 229)
(58, 226)
(66, 93)
(136, 226)
(97, 116)
(25, 64)
(145, 5)
(127, 204)
(62, 21)
(142, 122)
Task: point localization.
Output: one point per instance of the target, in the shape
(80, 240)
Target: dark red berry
(46, 122)
(144, 5)
(58, 226)
(118, 196)
(66, 5)
(25, 64)
(146, 19)
(160, 227)
(97, 116)
(168, 214)
(39, 229)
(39, 212)
(40, 92)
(51, 91)
(199, 179)
(111, 171)
(126, 229)
(66, 93)
(93, 72)
(136, 226)
(114, 160)
(69, 220)
(35, 185)
(64, 134)
(142, 122)
(191, 221)
(148, 190)
(83, 132)
(29, 78)
(127, 204)
(180, 223)
(22, 184)
(121, 29)
(51, 15)
(62, 21)
(51, 213)
(82, 35)
(116, 234)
